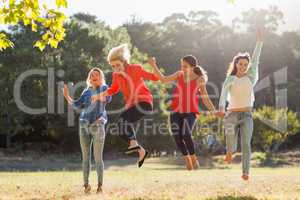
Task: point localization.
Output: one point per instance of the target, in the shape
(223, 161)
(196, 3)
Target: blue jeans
(92, 134)
(242, 122)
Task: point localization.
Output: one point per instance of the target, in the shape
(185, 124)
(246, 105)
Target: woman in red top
(191, 80)
(129, 79)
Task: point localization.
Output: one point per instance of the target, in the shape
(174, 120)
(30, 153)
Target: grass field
(160, 178)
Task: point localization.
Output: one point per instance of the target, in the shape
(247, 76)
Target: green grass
(160, 178)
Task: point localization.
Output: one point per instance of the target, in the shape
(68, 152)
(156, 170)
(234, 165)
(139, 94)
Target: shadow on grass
(217, 198)
(233, 198)
(272, 161)
(179, 163)
(73, 162)
(52, 163)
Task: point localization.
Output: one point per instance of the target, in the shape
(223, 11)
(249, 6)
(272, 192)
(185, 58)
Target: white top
(241, 94)
(241, 89)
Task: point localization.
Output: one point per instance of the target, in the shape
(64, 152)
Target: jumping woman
(238, 90)
(92, 122)
(191, 80)
(130, 80)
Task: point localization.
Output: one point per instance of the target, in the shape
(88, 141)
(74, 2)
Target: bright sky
(116, 12)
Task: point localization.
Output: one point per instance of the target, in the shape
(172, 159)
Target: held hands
(102, 98)
(216, 113)
(98, 97)
(94, 98)
(219, 114)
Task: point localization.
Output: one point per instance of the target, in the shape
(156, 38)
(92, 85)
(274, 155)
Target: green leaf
(30, 12)
(12, 3)
(46, 35)
(26, 21)
(40, 44)
(61, 3)
(60, 36)
(53, 43)
(34, 27)
(5, 42)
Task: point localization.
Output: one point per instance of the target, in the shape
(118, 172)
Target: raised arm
(75, 103)
(144, 74)
(253, 71)
(66, 94)
(161, 77)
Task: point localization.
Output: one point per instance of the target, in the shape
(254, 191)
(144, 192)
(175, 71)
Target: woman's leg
(246, 128)
(130, 116)
(231, 123)
(98, 144)
(127, 118)
(187, 130)
(85, 144)
(176, 129)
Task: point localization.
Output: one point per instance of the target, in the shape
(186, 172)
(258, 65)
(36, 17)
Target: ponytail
(200, 72)
(193, 62)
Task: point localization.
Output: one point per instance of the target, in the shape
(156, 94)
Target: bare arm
(113, 89)
(161, 77)
(204, 95)
(66, 95)
(101, 96)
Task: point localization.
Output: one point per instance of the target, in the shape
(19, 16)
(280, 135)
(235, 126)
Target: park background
(46, 142)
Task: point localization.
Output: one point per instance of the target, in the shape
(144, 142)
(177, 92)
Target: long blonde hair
(120, 52)
(88, 80)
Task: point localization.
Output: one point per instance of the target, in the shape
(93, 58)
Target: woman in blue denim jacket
(238, 90)
(92, 122)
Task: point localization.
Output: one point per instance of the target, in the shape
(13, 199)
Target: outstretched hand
(98, 97)
(94, 98)
(102, 98)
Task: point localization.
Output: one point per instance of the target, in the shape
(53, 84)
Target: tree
(46, 21)
(267, 138)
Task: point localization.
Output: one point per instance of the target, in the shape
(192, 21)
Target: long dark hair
(193, 62)
(232, 69)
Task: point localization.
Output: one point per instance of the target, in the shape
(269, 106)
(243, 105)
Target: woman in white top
(238, 91)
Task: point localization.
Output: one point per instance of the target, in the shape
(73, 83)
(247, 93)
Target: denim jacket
(90, 112)
(252, 73)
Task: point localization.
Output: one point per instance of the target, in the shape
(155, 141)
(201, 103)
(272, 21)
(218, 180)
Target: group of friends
(235, 106)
